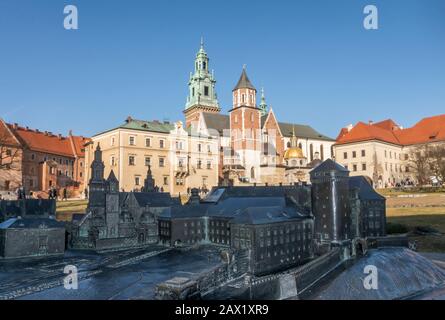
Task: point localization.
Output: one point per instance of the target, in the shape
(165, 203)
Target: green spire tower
(263, 105)
(202, 95)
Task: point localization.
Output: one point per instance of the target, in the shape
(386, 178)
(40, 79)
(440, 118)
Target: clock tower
(202, 95)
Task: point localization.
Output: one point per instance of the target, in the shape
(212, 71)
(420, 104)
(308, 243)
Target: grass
(65, 209)
(433, 217)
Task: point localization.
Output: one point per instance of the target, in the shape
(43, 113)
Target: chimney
(129, 119)
(15, 126)
(371, 122)
(194, 198)
(27, 128)
(59, 136)
(70, 133)
(46, 133)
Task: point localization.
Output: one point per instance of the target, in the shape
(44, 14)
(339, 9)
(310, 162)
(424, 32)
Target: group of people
(53, 193)
(202, 191)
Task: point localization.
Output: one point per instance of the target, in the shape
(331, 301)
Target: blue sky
(317, 63)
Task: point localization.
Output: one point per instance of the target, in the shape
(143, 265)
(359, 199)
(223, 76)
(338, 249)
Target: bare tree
(437, 161)
(419, 163)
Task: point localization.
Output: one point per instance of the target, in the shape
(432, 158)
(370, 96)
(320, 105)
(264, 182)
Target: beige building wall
(384, 163)
(173, 159)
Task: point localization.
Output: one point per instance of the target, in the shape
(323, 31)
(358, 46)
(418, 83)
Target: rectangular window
(345, 155)
(112, 161)
(161, 162)
(354, 154)
(209, 148)
(363, 166)
(148, 142)
(137, 181)
(363, 153)
(147, 161)
(206, 91)
(199, 147)
(165, 181)
(132, 141)
(209, 165)
(131, 160)
(112, 141)
(199, 164)
(161, 144)
(354, 167)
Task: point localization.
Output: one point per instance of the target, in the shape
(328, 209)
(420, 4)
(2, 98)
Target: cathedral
(255, 148)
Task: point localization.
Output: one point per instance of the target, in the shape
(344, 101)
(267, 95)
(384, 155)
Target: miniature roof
(328, 166)
(366, 191)
(31, 223)
(267, 215)
(153, 199)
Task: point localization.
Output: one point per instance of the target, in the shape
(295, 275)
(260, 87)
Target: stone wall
(32, 242)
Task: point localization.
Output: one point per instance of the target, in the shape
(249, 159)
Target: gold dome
(293, 153)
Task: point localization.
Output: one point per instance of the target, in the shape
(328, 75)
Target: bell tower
(202, 95)
(245, 127)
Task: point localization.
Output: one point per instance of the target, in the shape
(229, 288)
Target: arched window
(288, 144)
(252, 173)
(204, 65)
(300, 146)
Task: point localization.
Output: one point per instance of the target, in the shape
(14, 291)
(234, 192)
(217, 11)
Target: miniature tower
(112, 206)
(330, 203)
(202, 95)
(149, 182)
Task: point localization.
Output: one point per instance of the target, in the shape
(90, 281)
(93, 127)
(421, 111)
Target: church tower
(202, 95)
(263, 104)
(245, 127)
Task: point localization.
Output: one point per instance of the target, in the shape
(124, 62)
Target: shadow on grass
(425, 243)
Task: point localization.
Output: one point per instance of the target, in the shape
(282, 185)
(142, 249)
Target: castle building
(384, 152)
(252, 141)
(179, 159)
(40, 160)
(114, 219)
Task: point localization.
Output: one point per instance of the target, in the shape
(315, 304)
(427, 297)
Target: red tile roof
(47, 142)
(7, 137)
(430, 129)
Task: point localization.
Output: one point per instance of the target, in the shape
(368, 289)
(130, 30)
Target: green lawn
(65, 209)
(421, 217)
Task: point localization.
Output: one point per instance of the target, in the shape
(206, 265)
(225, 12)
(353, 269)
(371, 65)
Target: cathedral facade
(255, 148)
